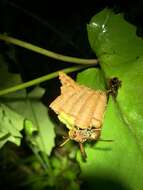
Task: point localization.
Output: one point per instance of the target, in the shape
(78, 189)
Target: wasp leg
(64, 142)
(106, 140)
(82, 150)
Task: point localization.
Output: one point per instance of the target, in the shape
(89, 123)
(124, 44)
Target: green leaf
(93, 78)
(41, 122)
(117, 164)
(120, 53)
(11, 124)
(31, 109)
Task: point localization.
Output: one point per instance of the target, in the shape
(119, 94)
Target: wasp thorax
(82, 135)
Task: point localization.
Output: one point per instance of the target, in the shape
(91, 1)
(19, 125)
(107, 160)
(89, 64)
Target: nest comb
(85, 106)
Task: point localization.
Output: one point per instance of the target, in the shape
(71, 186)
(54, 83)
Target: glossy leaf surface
(117, 164)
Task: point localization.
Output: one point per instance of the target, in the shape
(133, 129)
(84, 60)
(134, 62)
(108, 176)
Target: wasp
(81, 109)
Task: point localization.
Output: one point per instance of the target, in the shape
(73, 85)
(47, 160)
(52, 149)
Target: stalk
(40, 79)
(45, 52)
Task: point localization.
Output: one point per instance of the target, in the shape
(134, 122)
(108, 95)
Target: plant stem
(38, 156)
(47, 52)
(40, 79)
(44, 158)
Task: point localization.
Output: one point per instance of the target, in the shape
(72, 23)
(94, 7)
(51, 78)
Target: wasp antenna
(65, 137)
(98, 129)
(82, 150)
(109, 91)
(64, 142)
(106, 140)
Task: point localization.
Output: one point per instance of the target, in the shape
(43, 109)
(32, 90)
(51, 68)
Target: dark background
(59, 26)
